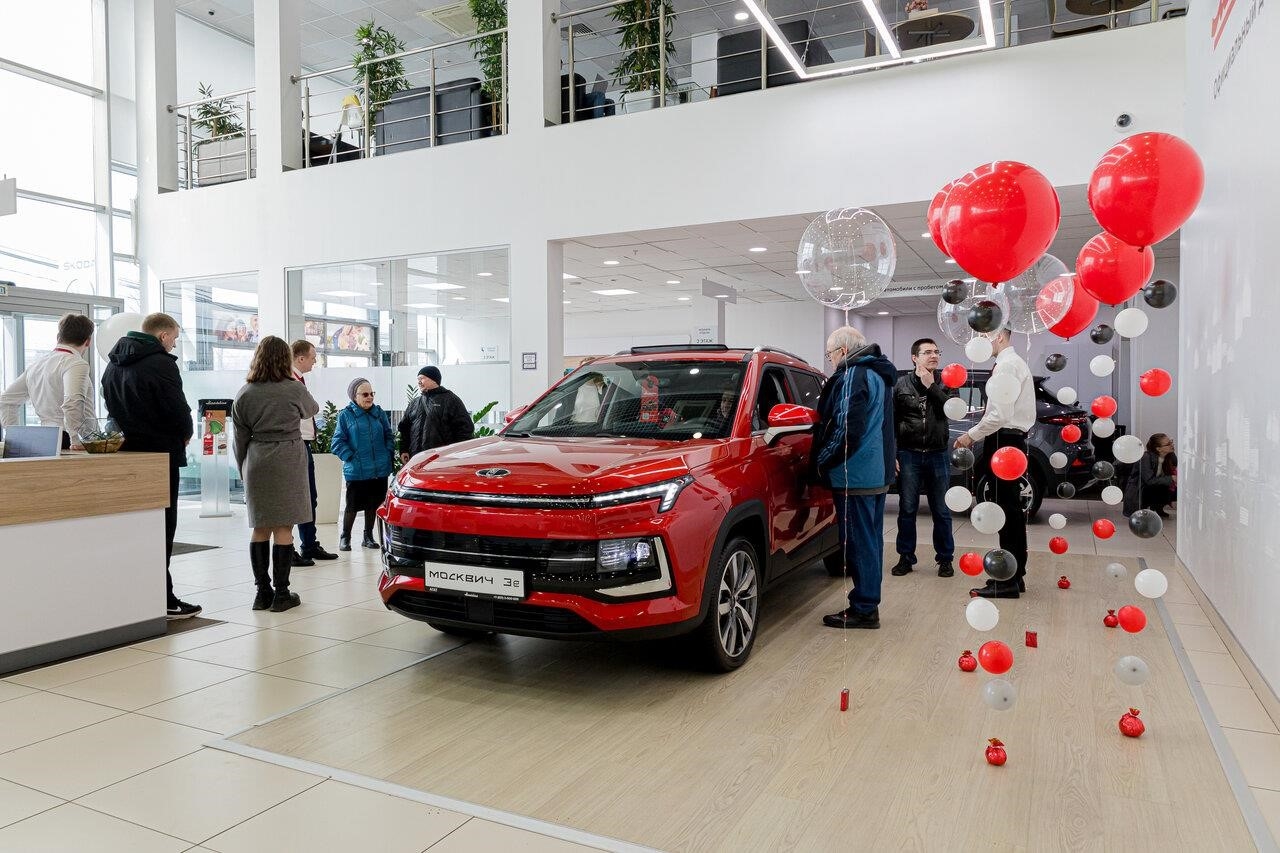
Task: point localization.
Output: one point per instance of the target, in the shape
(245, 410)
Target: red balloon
(1058, 545)
(1132, 619)
(999, 219)
(1071, 433)
(934, 217)
(995, 657)
(1155, 382)
(971, 563)
(1145, 187)
(954, 375)
(1008, 463)
(1113, 271)
(1084, 307)
(1104, 406)
(1104, 529)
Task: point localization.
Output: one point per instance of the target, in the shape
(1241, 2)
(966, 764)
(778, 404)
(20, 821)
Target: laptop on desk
(32, 442)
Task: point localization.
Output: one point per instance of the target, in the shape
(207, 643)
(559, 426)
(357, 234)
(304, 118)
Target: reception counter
(81, 554)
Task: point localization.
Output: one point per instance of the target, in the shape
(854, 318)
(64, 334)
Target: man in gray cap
(435, 418)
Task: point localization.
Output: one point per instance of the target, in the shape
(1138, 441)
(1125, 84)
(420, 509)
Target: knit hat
(355, 386)
(431, 372)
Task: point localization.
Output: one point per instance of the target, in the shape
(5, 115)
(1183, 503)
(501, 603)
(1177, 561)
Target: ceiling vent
(455, 17)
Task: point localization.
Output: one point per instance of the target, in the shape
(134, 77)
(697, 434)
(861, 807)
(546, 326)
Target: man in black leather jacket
(924, 464)
(434, 419)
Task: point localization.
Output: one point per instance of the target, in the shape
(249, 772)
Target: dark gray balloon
(999, 564)
(1145, 524)
(1055, 362)
(955, 292)
(1066, 491)
(1160, 293)
(985, 317)
(962, 458)
(1103, 470)
(1102, 334)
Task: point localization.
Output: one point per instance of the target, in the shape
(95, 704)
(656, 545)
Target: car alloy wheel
(736, 603)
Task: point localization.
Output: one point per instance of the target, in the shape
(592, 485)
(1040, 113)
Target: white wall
(1229, 443)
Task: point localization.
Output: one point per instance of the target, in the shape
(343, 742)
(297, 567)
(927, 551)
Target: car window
(772, 392)
(808, 388)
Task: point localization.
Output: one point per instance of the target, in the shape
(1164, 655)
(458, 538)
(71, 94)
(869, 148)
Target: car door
(817, 511)
(783, 463)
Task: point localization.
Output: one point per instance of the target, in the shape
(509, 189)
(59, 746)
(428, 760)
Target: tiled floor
(109, 752)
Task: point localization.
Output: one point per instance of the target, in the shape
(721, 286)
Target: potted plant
(385, 77)
(643, 42)
(328, 466)
(220, 157)
(490, 15)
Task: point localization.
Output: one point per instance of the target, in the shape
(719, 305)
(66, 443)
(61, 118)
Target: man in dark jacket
(923, 460)
(434, 419)
(142, 389)
(854, 457)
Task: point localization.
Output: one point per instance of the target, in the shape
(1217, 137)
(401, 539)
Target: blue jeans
(861, 525)
(307, 530)
(930, 472)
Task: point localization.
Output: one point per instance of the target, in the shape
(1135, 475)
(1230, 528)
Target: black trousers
(171, 525)
(1013, 536)
(1157, 497)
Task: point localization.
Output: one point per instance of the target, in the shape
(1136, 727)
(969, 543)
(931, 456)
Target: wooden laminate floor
(623, 741)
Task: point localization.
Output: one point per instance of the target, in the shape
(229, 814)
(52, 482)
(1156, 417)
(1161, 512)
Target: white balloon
(978, 349)
(1117, 571)
(1127, 448)
(999, 694)
(113, 329)
(958, 499)
(1104, 427)
(1057, 460)
(1057, 521)
(1102, 365)
(1151, 583)
(1132, 670)
(1003, 388)
(1067, 396)
(1130, 322)
(955, 408)
(987, 517)
(981, 614)
(1112, 495)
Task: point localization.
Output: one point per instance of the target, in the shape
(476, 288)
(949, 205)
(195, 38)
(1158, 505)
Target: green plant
(477, 417)
(411, 393)
(384, 77)
(490, 15)
(328, 422)
(643, 42)
(221, 118)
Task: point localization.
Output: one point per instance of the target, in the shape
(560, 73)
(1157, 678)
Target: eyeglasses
(832, 352)
(930, 352)
(366, 394)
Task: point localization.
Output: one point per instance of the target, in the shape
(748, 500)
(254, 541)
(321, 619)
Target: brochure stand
(215, 461)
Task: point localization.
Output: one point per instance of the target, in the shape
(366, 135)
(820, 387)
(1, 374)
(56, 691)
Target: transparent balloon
(981, 614)
(999, 694)
(1151, 583)
(1132, 670)
(846, 258)
(987, 517)
(1040, 297)
(953, 319)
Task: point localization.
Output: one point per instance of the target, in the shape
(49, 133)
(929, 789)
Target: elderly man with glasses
(924, 464)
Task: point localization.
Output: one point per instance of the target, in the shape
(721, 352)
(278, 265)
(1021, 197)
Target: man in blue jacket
(854, 456)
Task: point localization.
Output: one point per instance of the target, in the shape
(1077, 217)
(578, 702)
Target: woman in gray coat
(273, 464)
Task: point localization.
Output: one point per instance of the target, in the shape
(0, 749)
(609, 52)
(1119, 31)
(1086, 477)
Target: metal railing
(366, 111)
(678, 64)
(216, 141)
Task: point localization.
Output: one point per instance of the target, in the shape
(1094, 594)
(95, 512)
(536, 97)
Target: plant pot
(328, 487)
(221, 161)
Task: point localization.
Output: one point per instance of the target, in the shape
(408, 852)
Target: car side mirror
(513, 414)
(787, 418)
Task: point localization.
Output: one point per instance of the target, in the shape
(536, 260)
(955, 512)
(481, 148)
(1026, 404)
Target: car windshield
(669, 400)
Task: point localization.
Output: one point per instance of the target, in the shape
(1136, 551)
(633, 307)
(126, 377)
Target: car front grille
(514, 617)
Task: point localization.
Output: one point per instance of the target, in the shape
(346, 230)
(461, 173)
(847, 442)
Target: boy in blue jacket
(363, 440)
(854, 456)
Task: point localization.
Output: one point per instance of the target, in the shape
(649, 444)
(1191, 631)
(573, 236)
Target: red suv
(648, 494)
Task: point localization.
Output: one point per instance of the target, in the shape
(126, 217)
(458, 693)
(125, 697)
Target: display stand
(215, 462)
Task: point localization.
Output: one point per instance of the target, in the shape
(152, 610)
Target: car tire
(464, 633)
(835, 564)
(728, 632)
(1032, 492)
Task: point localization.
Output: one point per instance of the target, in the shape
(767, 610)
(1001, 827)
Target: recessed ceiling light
(341, 294)
(440, 285)
(951, 260)
(375, 284)
(484, 274)
(612, 263)
(459, 299)
(722, 296)
(673, 281)
(371, 305)
(682, 298)
(614, 291)
(568, 302)
(421, 305)
(568, 276)
(693, 371)
(758, 249)
(740, 16)
(502, 299)
(882, 313)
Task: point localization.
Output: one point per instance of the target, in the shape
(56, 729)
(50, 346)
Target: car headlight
(615, 556)
(666, 491)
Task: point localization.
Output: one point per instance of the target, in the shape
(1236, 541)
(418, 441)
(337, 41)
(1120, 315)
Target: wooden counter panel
(78, 486)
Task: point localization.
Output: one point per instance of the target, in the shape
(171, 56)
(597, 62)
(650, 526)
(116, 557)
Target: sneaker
(344, 543)
(848, 619)
(903, 567)
(299, 560)
(182, 610)
(315, 552)
(945, 569)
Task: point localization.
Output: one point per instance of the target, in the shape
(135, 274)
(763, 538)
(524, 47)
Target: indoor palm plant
(216, 155)
(490, 15)
(644, 39)
(384, 77)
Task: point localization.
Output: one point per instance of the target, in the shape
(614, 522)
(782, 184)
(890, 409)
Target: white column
(277, 119)
(155, 50)
(537, 316)
(533, 65)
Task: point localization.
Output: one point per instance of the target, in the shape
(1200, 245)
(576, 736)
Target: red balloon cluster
(1058, 545)
(1104, 406)
(1071, 433)
(1155, 382)
(1113, 271)
(954, 375)
(997, 220)
(1008, 463)
(995, 657)
(1132, 619)
(1145, 187)
(971, 563)
(1104, 529)
(1084, 307)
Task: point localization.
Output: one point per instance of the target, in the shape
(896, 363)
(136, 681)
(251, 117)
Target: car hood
(580, 466)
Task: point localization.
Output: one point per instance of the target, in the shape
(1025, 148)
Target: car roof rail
(779, 350)
(660, 348)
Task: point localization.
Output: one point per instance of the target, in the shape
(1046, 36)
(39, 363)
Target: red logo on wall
(1219, 22)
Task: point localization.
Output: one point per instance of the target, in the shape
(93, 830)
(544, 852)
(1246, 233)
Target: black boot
(282, 560)
(260, 559)
(903, 567)
(369, 541)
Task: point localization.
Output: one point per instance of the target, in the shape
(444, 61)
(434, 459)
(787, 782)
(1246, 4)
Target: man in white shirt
(1006, 425)
(304, 358)
(58, 386)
